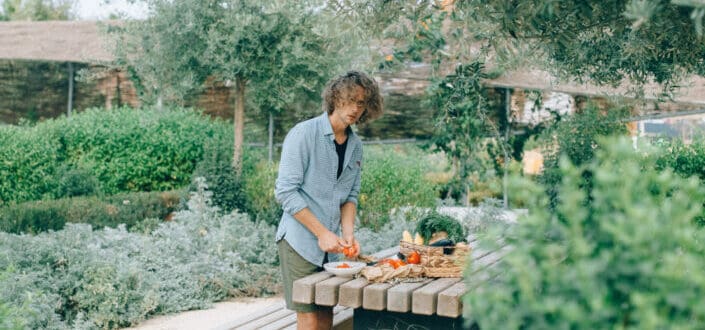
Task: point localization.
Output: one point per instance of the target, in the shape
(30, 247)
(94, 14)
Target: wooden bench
(433, 303)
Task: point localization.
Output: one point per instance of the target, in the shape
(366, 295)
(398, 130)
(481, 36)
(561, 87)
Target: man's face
(350, 108)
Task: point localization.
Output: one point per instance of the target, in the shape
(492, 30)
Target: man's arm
(294, 159)
(327, 240)
(347, 217)
(347, 222)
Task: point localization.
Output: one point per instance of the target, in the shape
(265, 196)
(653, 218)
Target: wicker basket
(436, 263)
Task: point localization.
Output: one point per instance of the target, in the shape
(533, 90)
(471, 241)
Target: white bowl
(355, 267)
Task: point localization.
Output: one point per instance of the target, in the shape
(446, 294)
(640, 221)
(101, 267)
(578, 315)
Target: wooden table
(433, 303)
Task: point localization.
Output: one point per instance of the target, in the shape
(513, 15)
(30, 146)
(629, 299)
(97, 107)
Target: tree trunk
(70, 97)
(118, 93)
(507, 127)
(239, 123)
(270, 144)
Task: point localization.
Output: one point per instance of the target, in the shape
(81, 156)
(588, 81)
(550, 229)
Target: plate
(355, 267)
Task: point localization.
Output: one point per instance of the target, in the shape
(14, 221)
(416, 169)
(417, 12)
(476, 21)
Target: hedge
(122, 149)
(126, 208)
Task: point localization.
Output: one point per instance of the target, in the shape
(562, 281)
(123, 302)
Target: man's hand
(351, 247)
(329, 242)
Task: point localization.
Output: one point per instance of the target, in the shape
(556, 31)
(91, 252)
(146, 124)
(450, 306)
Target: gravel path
(221, 313)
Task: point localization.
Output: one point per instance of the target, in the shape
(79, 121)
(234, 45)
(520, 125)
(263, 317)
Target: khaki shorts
(294, 267)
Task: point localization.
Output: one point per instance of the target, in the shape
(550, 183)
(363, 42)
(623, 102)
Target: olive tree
(36, 10)
(605, 42)
(274, 51)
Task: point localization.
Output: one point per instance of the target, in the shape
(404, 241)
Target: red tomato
(414, 258)
(350, 251)
(396, 263)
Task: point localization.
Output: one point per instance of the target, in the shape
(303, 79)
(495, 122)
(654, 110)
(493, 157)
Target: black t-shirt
(340, 150)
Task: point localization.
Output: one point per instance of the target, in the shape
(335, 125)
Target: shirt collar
(327, 128)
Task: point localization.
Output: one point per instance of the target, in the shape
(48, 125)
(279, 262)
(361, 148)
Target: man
(318, 184)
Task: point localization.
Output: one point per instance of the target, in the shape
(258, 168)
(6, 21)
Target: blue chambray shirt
(307, 178)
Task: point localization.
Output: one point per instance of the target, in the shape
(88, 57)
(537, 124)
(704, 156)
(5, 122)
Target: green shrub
(128, 208)
(575, 137)
(148, 225)
(73, 182)
(124, 149)
(79, 278)
(8, 313)
(620, 253)
(29, 156)
(467, 125)
(247, 192)
(8, 322)
(252, 192)
(685, 159)
(32, 217)
(216, 168)
(391, 180)
(259, 189)
(227, 187)
(138, 149)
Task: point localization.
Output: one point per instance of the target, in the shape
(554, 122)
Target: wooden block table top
(440, 296)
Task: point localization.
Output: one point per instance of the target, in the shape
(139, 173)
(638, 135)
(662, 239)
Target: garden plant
(621, 251)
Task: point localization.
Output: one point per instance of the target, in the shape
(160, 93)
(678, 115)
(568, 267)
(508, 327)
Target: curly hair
(342, 87)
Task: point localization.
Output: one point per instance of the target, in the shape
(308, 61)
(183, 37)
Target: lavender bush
(78, 278)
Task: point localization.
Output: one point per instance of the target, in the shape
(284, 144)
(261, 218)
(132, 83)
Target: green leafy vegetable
(436, 222)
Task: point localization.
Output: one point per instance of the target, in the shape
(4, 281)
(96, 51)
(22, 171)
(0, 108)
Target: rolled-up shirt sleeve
(291, 172)
(352, 197)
